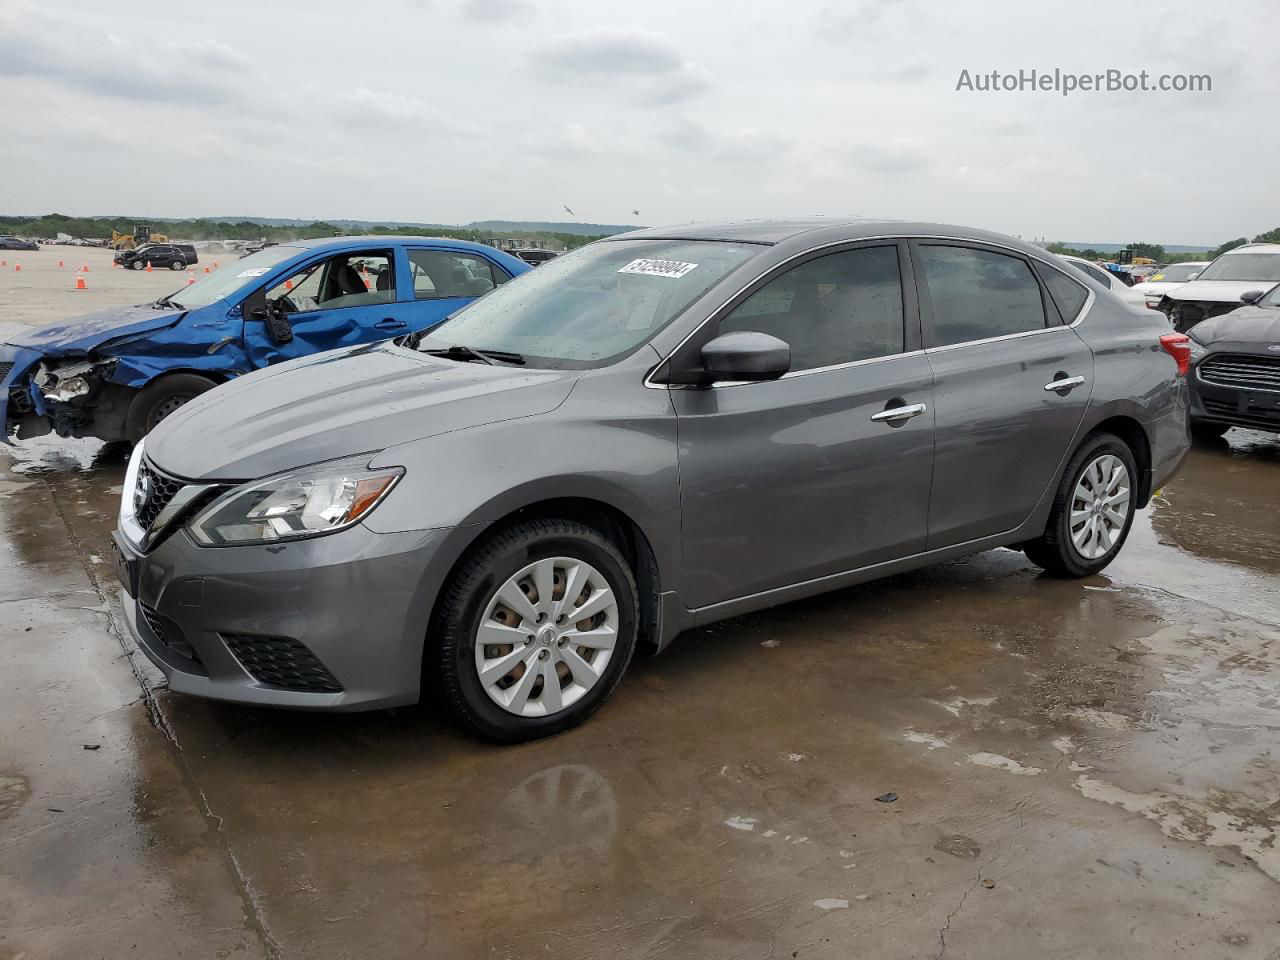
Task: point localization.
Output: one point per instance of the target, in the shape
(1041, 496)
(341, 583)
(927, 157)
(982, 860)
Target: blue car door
(339, 300)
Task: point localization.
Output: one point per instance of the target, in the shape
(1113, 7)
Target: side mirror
(746, 355)
(1252, 296)
(255, 308)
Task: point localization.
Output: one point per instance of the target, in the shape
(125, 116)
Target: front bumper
(1256, 409)
(352, 607)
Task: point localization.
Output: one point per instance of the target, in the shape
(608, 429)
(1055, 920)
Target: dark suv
(175, 256)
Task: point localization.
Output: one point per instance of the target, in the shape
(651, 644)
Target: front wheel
(1092, 510)
(136, 265)
(534, 630)
(176, 265)
(161, 397)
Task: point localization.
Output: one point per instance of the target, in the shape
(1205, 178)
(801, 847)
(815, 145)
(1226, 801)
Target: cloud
(649, 63)
(496, 11)
(33, 44)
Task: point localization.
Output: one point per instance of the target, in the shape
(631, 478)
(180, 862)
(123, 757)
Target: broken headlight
(303, 503)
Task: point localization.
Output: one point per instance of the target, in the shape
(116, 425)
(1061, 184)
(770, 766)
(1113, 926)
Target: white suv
(1223, 285)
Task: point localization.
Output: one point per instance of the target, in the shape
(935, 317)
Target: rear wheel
(160, 398)
(1092, 510)
(535, 630)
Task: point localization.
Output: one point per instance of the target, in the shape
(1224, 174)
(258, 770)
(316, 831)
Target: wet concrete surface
(1081, 769)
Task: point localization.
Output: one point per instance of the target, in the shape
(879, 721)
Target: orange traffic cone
(85, 268)
(4, 263)
(206, 269)
(288, 284)
(61, 264)
(148, 266)
(191, 277)
(215, 264)
(17, 268)
(80, 284)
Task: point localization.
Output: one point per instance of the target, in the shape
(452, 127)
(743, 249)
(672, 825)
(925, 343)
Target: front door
(802, 477)
(338, 301)
(996, 345)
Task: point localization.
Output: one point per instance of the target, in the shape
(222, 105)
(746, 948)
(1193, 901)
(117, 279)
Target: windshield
(1178, 273)
(1244, 266)
(592, 306)
(227, 280)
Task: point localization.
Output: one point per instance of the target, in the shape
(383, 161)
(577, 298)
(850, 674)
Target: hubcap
(1100, 506)
(546, 636)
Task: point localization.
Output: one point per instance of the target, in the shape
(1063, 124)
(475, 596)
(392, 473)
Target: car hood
(1217, 291)
(342, 403)
(1248, 326)
(85, 334)
(1150, 287)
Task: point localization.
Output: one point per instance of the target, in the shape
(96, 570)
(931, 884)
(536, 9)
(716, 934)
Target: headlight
(304, 503)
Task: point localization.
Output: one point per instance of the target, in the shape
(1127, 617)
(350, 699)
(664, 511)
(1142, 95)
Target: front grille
(4, 370)
(168, 633)
(1242, 370)
(1249, 417)
(162, 489)
(281, 662)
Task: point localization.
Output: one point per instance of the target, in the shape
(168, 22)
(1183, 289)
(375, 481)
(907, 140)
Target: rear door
(336, 301)
(442, 282)
(1011, 383)
(803, 477)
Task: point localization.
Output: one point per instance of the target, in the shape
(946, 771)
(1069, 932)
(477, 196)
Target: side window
(835, 309)
(1067, 294)
(977, 294)
(439, 274)
(347, 280)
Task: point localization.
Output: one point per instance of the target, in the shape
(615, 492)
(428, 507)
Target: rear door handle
(390, 323)
(897, 414)
(1065, 383)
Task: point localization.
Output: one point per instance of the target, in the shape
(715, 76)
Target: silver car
(656, 431)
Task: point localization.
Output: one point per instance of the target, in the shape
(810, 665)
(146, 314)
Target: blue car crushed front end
(78, 378)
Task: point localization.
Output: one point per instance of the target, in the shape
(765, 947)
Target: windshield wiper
(458, 351)
(164, 303)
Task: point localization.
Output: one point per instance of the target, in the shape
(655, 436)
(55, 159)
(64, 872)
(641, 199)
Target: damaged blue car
(115, 374)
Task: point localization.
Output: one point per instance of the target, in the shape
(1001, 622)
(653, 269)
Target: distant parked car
(1111, 281)
(116, 374)
(1220, 285)
(1235, 363)
(175, 256)
(17, 243)
(256, 246)
(533, 256)
(1166, 278)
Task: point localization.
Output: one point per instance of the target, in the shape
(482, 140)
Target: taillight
(1178, 346)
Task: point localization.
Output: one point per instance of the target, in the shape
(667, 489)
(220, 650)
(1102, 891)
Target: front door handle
(390, 323)
(898, 414)
(1063, 383)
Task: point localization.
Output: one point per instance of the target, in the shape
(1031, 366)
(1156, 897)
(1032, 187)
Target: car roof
(823, 230)
(1253, 248)
(338, 244)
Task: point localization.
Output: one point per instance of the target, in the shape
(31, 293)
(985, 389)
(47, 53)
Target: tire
(470, 601)
(136, 265)
(1208, 430)
(175, 265)
(1057, 550)
(161, 397)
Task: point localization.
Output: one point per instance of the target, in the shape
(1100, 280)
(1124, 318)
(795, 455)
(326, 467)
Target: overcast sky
(453, 110)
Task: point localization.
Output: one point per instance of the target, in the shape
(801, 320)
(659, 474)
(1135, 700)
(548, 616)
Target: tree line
(1156, 252)
(50, 225)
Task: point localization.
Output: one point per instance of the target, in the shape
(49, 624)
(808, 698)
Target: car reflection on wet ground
(1083, 768)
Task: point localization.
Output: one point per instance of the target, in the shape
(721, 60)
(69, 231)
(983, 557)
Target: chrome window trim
(812, 370)
(715, 314)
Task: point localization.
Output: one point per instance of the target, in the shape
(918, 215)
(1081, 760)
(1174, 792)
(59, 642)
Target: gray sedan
(656, 431)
